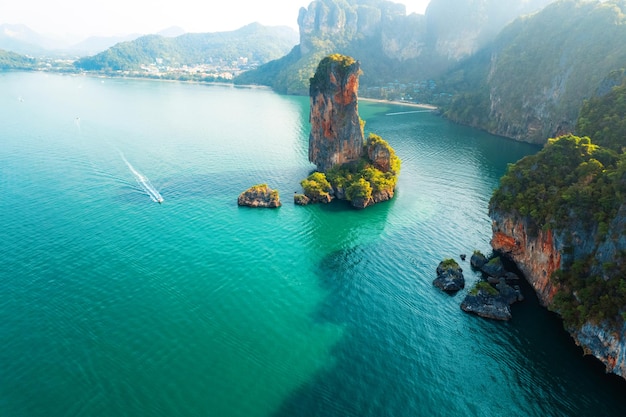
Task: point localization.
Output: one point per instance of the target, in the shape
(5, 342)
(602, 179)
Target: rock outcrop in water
(449, 276)
(259, 196)
(347, 169)
(336, 134)
(486, 301)
(491, 297)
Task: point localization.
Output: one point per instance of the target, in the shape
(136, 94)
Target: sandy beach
(400, 103)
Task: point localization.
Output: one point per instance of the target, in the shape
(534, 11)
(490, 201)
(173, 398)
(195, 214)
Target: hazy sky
(117, 17)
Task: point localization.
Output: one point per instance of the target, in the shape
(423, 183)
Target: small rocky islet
(259, 195)
(449, 276)
(492, 296)
(362, 172)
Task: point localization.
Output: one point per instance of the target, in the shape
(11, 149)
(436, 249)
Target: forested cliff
(394, 46)
(560, 215)
(515, 68)
(530, 83)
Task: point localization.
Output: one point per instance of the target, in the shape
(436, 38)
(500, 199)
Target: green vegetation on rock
(393, 46)
(359, 180)
(570, 180)
(449, 263)
(576, 188)
(374, 141)
(317, 187)
(530, 83)
(592, 294)
(359, 189)
(342, 63)
(604, 118)
(483, 286)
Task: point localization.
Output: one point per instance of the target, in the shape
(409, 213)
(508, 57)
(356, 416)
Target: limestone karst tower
(336, 134)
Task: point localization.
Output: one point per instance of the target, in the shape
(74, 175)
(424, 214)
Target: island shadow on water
(374, 369)
(545, 327)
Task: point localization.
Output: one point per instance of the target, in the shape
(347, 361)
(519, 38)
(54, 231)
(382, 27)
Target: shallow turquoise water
(112, 305)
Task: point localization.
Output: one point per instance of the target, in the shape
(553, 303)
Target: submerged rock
(449, 276)
(259, 196)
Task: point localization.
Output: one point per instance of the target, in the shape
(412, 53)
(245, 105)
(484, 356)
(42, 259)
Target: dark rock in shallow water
(259, 196)
(478, 260)
(463, 256)
(494, 268)
(449, 276)
(486, 305)
(489, 302)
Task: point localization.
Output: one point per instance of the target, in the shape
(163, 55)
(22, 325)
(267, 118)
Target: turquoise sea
(113, 305)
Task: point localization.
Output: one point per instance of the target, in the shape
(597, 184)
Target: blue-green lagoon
(113, 305)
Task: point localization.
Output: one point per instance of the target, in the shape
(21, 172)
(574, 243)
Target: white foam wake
(144, 182)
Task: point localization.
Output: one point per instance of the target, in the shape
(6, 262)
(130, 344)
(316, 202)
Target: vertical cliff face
(540, 253)
(536, 256)
(336, 135)
(376, 20)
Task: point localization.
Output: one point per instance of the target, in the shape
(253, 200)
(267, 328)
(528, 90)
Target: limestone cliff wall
(336, 136)
(539, 253)
(383, 23)
(536, 256)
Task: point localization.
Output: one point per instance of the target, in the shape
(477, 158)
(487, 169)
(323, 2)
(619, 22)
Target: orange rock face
(336, 136)
(536, 256)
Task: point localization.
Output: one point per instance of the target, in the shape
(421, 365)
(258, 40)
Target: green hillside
(531, 82)
(11, 60)
(257, 43)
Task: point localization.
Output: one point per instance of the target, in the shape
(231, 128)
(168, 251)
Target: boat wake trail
(144, 182)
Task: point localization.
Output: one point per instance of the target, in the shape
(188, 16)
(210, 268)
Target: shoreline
(424, 106)
(400, 103)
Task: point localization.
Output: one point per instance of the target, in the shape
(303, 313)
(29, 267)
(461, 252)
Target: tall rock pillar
(336, 134)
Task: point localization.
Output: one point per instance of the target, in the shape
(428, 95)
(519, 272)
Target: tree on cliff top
(604, 118)
(321, 80)
(569, 180)
(574, 187)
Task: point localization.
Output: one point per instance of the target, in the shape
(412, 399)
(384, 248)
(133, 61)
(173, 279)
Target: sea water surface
(114, 305)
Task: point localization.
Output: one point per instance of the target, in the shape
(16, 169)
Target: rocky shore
(492, 296)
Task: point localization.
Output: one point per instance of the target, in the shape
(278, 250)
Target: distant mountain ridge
(254, 41)
(23, 40)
